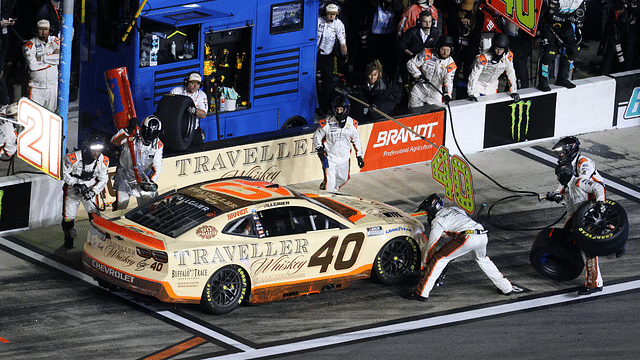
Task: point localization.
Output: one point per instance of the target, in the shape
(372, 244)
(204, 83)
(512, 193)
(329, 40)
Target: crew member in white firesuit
(8, 134)
(560, 20)
(333, 141)
(465, 236)
(435, 71)
(488, 67)
(146, 146)
(43, 56)
(85, 175)
(579, 182)
(190, 87)
(330, 31)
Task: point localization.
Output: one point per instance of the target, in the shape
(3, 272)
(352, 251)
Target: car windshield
(172, 213)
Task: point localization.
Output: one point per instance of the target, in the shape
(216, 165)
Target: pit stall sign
(523, 13)
(41, 143)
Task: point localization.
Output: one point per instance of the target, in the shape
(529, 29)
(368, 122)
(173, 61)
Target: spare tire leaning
(600, 234)
(178, 126)
(555, 256)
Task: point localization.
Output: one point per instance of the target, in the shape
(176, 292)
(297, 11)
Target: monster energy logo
(520, 105)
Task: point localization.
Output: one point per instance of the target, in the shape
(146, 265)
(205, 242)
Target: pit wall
(495, 121)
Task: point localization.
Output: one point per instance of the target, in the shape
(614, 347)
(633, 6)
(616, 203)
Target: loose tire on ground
(225, 290)
(177, 124)
(294, 121)
(600, 234)
(396, 259)
(553, 255)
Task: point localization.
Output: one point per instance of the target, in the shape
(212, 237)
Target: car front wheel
(395, 260)
(225, 290)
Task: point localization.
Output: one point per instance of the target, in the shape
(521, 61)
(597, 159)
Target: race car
(233, 240)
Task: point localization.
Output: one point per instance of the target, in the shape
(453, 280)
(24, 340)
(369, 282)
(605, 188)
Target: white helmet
(151, 128)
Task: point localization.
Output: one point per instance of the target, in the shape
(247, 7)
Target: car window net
(172, 214)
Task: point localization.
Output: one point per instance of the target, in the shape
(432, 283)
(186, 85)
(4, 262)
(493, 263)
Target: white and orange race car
(228, 241)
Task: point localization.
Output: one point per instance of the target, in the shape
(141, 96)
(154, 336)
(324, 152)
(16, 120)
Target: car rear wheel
(555, 256)
(600, 234)
(225, 290)
(395, 260)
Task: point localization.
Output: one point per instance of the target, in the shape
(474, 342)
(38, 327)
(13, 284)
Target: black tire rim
(598, 224)
(396, 257)
(226, 287)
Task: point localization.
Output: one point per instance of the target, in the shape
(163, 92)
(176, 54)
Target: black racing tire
(396, 259)
(294, 121)
(177, 124)
(555, 256)
(600, 235)
(225, 290)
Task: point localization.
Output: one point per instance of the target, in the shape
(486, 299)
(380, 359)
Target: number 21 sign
(523, 13)
(40, 144)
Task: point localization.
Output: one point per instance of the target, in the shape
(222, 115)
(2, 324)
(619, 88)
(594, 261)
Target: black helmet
(567, 148)
(431, 205)
(93, 143)
(151, 128)
(341, 101)
(445, 40)
(564, 173)
(501, 41)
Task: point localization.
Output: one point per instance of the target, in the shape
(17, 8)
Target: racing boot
(565, 70)
(543, 80)
(69, 233)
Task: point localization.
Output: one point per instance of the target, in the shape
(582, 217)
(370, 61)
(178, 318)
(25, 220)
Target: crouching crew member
(85, 175)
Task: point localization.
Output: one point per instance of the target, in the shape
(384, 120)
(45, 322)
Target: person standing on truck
(85, 175)
(579, 182)
(489, 66)
(330, 30)
(140, 161)
(190, 87)
(333, 140)
(43, 56)
(434, 72)
(466, 236)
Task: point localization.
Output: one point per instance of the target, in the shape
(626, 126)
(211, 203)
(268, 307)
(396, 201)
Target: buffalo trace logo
(207, 232)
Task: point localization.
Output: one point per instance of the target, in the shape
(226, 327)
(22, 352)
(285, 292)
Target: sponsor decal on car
(189, 273)
(238, 213)
(207, 232)
(399, 228)
(111, 272)
(229, 253)
(374, 231)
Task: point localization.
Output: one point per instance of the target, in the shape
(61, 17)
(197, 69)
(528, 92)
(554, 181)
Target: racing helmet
(343, 102)
(432, 204)
(567, 148)
(564, 173)
(91, 148)
(499, 41)
(445, 40)
(150, 129)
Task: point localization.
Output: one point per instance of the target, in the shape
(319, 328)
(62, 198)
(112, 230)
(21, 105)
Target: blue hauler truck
(262, 51)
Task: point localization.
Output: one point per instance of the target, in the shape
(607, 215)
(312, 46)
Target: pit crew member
(488, 67)
(435, 71)
(43, 56)
(333, 140)
(85, 175)
(466, 236)
(137, 175)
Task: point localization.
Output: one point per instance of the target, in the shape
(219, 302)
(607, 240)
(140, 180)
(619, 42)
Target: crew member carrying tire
(579, 182)
(466, 236)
